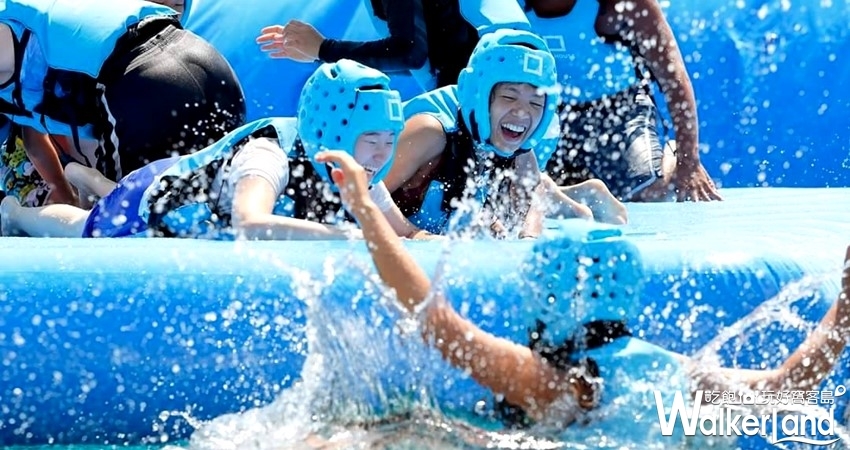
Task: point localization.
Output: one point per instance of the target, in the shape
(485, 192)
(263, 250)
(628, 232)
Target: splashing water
(777, 310)
(369, 381)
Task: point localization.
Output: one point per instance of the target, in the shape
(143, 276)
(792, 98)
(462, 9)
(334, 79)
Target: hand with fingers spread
(296, 40)
(350, 177)
(271, 41)
(692, 183)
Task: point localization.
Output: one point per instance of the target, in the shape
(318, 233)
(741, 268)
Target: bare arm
(422, 140)
(253, 203)
(404, 228)
(514, 371)
(530, 195)
(810, 363)
(816, 356)
(498, 364)
(642, 23)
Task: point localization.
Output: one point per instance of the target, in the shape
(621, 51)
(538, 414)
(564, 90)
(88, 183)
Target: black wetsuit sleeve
(406, 47)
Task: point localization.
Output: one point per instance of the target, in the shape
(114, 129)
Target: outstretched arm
(811, 362)
(504, 367)
(406, 47)
(253, 203)
(258, 174)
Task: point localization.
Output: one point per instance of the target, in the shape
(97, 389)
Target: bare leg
(562, 206)
(89, 181)
(605, 207)
(57, 220)
(44, 156)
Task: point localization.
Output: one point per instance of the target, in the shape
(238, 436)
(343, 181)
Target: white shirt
(264, 158)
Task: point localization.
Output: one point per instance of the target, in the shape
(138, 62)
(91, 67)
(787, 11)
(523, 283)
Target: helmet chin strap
(329, 169)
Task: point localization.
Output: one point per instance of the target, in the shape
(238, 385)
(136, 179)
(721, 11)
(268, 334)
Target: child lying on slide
(258, 182)
(537, 380)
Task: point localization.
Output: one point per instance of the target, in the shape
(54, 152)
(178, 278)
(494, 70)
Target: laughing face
(372, 151)
(515, 112)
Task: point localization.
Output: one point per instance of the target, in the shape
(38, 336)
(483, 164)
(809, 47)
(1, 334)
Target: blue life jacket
(589, 66)
(434, 207)
(60, 48)
(180, 202)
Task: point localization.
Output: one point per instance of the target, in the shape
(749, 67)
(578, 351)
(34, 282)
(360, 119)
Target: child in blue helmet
(260, 181)
(472, 139)
(474, 142)
(574, 360)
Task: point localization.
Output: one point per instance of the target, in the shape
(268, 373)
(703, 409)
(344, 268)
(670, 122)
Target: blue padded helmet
(585, 272)
(341, 101)
(506, 56)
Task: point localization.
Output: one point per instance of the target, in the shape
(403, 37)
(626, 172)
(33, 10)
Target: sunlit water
(368, 383)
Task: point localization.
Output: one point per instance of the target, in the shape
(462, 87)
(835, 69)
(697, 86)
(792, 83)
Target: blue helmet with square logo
(506, 56)
(340, 102)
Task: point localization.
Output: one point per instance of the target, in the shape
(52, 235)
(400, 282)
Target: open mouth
(370, 170)
(513, 132)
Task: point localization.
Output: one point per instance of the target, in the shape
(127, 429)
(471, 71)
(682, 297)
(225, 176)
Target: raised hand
(296, 40)
(350, 178)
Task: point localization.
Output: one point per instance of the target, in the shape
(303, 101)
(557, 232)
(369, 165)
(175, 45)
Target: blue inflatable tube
(103, 339)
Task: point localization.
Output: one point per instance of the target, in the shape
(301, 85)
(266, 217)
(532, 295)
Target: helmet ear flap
(464, 93)
(463, 78)
(468, 85)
